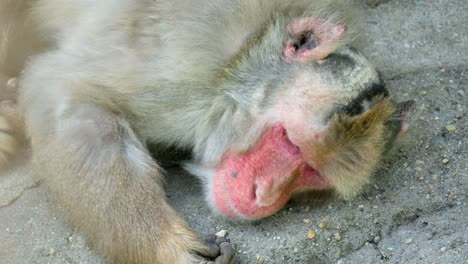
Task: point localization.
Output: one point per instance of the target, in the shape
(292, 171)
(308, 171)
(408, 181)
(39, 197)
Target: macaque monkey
(268, 94)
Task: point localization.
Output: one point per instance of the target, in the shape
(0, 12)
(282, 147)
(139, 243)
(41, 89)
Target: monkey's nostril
(294, 147)
(254, 193)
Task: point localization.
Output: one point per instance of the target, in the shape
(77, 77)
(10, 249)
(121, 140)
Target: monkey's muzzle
(260, 182)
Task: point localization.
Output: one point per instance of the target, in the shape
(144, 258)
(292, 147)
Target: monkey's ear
(405, 108)
(312, 38)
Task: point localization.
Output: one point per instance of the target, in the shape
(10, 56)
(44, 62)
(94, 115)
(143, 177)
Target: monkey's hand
(220, 251)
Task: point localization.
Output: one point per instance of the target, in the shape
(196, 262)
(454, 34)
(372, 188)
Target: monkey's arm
(103, 176)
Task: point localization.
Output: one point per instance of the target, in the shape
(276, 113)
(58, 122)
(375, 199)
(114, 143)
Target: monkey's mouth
(260, 182)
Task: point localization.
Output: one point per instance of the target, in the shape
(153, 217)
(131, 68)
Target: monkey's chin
(260, 182)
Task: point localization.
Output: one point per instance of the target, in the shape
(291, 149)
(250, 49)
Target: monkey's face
(322, 123)
(326, 127)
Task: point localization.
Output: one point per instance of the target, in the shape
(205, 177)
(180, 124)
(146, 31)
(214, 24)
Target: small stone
(306, 221)
(461, 93)
(445, 161)
(222, 233)
(326, 219)
(408, 241)
(419, 162)
(430, 186)
(377, 239)
(307, 209)
(323, 225)
(443, 249)
(420, 178)
(451, 128)
(338, 237)
(418, 169)
(51, 251)
(260, 260)
(434, 177)
(311, 234)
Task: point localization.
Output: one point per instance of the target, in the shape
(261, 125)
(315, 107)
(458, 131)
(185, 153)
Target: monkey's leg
(103, 176)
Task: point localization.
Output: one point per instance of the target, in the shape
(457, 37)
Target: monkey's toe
(227, 253)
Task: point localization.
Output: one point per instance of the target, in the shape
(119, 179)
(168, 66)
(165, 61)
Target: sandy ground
(415, 211)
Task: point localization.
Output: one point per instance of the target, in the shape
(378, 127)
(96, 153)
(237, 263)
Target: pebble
(377, 239)
(462, 93)
(51, 251)
(445, 161)
(338, 237)
(451, 128)
(323, 225)
(260, 260)
(418, 169)
(443, 249)
(307, 209)
(222, 233)
(311, 234)
(408, 241)
(306, 221)
(419, 162)
(421, 178)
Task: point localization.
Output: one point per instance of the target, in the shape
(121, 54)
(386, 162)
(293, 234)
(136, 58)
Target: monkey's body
(265, 112)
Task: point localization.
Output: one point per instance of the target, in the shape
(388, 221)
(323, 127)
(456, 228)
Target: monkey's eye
(366, 99)
(354, 109)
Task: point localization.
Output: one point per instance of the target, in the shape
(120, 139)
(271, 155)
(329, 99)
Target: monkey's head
(319, 117)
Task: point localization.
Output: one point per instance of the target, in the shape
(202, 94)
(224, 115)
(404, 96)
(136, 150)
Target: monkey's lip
(259, 183)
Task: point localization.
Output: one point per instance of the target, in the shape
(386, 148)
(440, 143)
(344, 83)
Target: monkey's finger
(212, 247)
(220, 240)
(211, 238)
(227, 254)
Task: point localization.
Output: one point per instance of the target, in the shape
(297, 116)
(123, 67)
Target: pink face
(260, 182)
